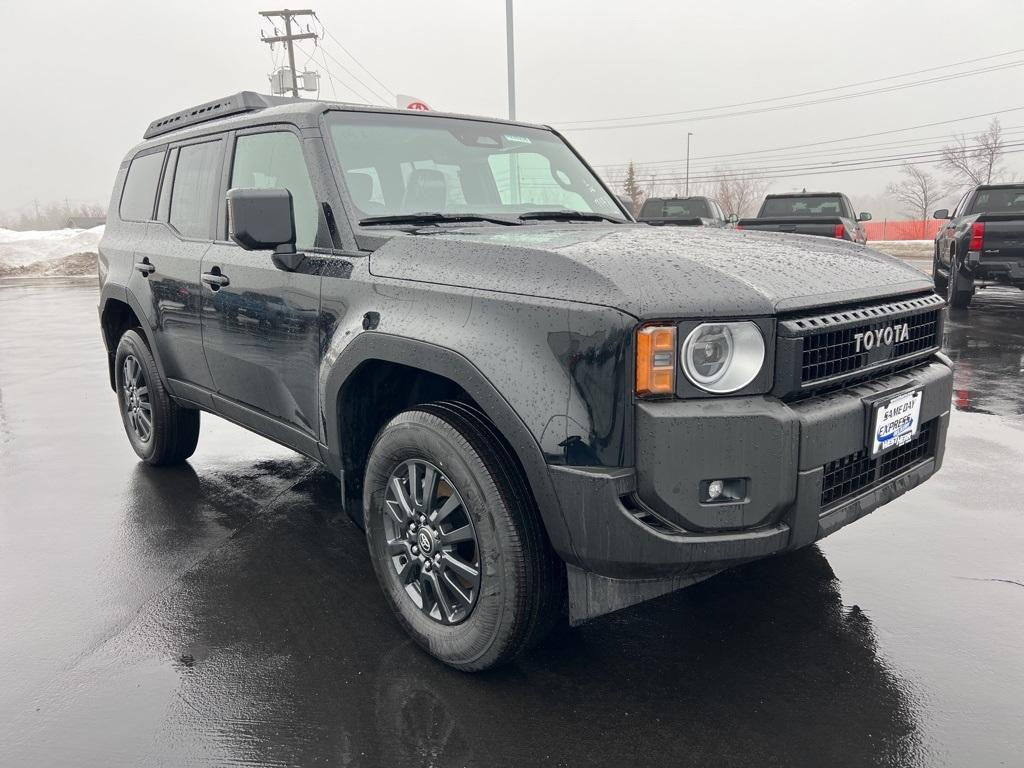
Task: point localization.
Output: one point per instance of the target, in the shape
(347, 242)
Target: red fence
(902, 230)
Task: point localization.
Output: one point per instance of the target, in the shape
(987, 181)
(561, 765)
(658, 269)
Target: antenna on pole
(278, 80)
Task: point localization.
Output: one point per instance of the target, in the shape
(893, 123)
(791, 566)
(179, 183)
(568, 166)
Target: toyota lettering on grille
(883, 337)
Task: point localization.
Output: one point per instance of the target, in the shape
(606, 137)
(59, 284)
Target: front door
(261, 331)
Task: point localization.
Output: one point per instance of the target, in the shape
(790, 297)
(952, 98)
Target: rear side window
(139, 193)
(275, 161)
(194, 194)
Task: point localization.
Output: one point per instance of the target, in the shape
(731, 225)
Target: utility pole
(688, 135)
(511, 51)
(288, 38)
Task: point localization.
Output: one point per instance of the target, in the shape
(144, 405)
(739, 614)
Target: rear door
(168, 262)
(260, 328)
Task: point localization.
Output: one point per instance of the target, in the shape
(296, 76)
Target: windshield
(999, 201)
(397, 164)
(696, 208)
(775, 207)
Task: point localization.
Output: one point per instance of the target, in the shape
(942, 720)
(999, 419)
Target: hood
(651, 272)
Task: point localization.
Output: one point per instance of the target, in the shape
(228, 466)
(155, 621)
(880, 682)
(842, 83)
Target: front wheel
(456, 540)
(161, 431)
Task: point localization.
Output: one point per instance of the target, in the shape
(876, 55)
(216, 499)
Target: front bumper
(648, 522)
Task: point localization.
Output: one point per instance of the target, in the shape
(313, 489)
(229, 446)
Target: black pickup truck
(983, 243)
(683, 212)
(535, 406)
(825, 214)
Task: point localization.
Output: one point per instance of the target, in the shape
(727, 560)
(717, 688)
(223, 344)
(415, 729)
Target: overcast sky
(84, 79)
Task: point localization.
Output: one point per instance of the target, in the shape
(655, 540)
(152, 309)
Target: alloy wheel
(138, 409)
(431, 541)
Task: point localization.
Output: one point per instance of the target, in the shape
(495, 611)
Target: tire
(160, 431)
(520, 593)
(960, 288)
(940, 280)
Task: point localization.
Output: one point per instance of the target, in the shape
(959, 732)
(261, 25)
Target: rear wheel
(960, 288)
(161, 431)
(456, 540)
(940, 278)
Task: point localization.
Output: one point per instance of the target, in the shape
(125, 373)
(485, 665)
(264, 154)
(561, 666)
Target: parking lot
(226, 612)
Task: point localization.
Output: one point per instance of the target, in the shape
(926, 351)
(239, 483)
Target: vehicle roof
(1008, 185)
(806, 194)
(303, 113)
(677, 197)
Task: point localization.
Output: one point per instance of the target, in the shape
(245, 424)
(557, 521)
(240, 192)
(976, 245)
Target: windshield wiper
(568, 215)
(433, 218)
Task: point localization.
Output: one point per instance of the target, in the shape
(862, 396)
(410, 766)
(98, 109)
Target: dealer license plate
(896, 422)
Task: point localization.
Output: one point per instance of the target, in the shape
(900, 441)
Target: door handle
(145, 267)
(215, 280)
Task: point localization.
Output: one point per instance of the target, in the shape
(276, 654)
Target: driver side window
(275, 161)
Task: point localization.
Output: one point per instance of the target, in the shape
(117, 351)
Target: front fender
(451, 365)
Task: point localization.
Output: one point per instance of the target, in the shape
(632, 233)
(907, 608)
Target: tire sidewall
(418, 435)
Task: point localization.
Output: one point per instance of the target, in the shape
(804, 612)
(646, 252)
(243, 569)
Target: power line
(358, 94)
(801, 94)
(789, 171)
(834, 156)
(796, 105)
(824, 142)
(327, 32)
(376, 95)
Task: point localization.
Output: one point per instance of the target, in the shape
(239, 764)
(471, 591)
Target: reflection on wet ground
(987, 344)
(225, 612)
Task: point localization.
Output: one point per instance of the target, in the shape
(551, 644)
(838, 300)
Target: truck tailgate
(822, 227)
(1003, 238)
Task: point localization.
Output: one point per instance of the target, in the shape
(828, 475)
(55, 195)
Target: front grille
(835, 353)
(858, 343)
(851, 474)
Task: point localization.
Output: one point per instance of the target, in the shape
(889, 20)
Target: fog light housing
(732, 490)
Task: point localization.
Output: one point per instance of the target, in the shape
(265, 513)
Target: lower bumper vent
(857, 472)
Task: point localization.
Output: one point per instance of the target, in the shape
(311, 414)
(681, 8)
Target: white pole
(688, 135)
(511, 49)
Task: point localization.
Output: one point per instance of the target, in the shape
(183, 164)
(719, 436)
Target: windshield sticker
(516, 139)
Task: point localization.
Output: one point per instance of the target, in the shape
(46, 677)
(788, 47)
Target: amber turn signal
(656, 360)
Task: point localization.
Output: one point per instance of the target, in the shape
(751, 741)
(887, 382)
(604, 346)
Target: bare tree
(917, 192)
(739, 192)
(978, 160)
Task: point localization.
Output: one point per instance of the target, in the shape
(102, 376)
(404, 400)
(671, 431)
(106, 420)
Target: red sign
(418, 105)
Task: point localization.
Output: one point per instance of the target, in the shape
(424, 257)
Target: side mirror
(942, 213)
(264, 220)
(864, 217)
(733, 218)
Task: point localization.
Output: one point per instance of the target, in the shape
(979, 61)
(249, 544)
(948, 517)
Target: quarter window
(140, 187)
(194, 195)
(275, 161)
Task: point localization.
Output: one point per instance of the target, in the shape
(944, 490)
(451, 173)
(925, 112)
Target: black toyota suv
(535, 406)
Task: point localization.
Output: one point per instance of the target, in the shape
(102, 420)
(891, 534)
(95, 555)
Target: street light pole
(688, 135)
(511, 51)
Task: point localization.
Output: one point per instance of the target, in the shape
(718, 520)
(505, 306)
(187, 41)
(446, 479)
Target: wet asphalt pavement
(225, 613)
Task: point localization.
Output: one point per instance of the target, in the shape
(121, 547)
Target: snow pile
(20, 249)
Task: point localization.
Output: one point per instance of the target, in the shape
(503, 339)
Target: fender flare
(113, 292)
(451, 365)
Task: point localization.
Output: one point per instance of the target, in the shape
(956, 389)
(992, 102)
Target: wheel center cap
(426, 542)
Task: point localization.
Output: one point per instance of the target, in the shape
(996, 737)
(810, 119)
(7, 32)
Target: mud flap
(591, 595)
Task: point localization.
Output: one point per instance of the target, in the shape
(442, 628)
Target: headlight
(723, 357)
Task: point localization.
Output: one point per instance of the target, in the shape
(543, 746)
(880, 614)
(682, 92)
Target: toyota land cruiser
(535, 406)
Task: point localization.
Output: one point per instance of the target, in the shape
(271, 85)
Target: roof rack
(236, 104)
